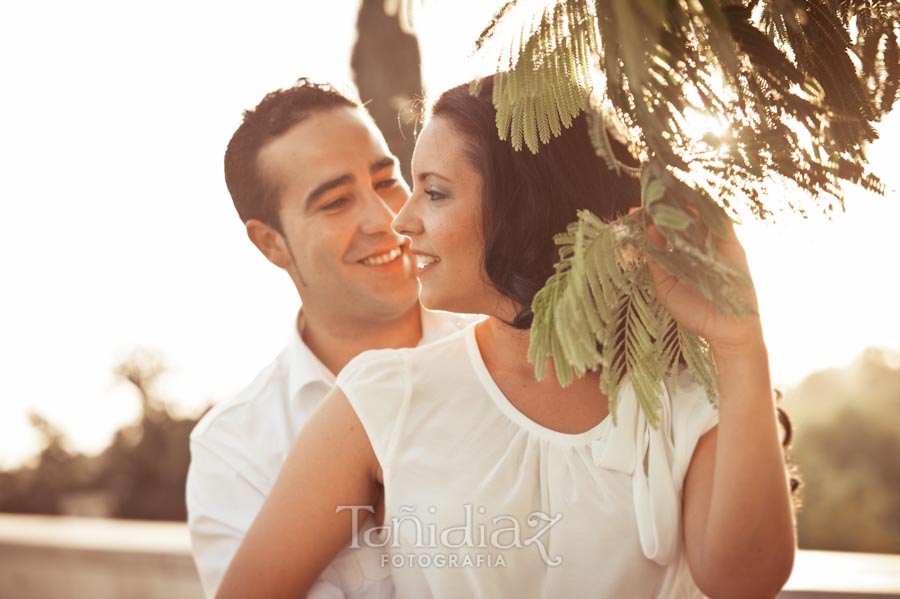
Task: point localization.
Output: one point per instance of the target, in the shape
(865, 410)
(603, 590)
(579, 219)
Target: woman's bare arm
(738, 519)
(298, 531)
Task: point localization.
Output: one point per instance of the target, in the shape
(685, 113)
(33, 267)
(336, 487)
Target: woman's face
(443, 219)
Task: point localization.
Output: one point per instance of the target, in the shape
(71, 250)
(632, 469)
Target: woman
(490, 483)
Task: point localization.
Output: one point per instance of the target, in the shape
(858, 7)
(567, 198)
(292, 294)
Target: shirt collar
(306, 369)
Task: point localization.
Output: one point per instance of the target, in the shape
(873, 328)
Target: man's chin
(397, 298)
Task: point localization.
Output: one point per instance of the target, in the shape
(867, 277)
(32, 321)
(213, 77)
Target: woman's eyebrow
(423, 176)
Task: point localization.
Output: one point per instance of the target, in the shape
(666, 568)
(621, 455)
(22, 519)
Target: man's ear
(270, 242)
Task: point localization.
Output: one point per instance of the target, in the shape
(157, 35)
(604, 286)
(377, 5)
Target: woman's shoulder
(378, 363)
(380, 384)
(690, 399)
(384, 367)
(453, 343)
(694, 413)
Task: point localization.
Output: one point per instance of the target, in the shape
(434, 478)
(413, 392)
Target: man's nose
(377, 215)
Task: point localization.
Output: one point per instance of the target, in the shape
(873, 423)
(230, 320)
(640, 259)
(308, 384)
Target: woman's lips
(425, 262)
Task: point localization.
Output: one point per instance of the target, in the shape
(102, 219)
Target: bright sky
(121, 233)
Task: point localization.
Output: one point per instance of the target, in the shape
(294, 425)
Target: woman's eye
(435, 195)
(335, 204)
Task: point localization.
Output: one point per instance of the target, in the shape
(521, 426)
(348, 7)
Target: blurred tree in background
(57, 473)
(140, 475)
(847, 447)
(387, 72)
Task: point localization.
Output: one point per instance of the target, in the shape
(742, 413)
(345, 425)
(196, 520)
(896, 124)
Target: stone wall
(49, 556)
(45, 557)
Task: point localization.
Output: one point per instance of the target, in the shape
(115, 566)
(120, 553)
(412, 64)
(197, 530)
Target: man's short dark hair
(254, 196)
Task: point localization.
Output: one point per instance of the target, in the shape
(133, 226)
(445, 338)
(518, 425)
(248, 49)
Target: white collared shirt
(238, 448)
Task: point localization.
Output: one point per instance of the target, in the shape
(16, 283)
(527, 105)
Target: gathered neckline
(516, 415)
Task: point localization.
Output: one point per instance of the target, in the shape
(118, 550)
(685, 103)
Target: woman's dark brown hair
(528, 198)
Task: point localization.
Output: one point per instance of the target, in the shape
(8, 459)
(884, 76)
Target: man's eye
(335, 204)
(386, 184)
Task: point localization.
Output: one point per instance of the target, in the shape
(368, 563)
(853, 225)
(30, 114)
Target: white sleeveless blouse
(481, 501)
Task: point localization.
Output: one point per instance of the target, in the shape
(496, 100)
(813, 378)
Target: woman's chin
(431, 300)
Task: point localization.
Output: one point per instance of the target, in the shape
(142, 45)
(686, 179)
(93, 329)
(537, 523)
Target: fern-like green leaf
(798, 91)
(599, 312)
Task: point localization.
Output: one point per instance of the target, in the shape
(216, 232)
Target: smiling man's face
(339, 188)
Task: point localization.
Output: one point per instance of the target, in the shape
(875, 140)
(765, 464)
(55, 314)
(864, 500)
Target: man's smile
(382, 258)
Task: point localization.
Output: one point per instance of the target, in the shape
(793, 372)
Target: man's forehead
(323, 128)
(339, 120)
(325, 144)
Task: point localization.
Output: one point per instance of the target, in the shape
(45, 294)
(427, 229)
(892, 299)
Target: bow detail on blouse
(633, 447)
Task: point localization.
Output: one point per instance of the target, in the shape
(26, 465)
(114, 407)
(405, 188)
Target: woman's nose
(407, 221)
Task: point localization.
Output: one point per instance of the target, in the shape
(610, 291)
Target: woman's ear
(270, 242)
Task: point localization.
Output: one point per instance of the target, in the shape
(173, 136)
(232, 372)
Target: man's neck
(337, 340)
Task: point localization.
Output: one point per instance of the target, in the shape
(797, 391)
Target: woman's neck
(574, 409)
(505, 347)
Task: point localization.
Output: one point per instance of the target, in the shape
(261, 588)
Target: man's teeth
(423, 261)
(383, 258)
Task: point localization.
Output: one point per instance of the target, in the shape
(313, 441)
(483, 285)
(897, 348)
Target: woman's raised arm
(738, 520)
(299, 531)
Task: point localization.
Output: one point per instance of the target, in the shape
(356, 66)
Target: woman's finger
(655, 237)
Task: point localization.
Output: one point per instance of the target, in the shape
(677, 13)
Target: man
(317, 188)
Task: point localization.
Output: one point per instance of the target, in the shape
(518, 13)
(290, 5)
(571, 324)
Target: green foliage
(599, 309)
(798, 94)
(797, 86)
(548, 70)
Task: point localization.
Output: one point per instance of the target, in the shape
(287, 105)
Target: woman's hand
(692, 310)
(738, 523)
